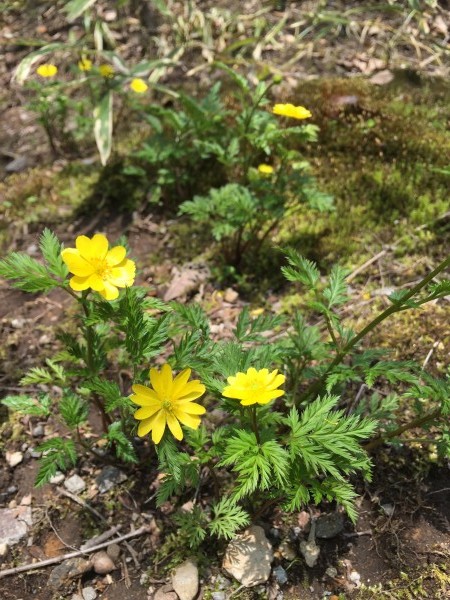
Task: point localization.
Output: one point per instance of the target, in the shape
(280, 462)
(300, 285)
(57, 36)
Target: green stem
(254, 423)
(316, 387)
(417, 422)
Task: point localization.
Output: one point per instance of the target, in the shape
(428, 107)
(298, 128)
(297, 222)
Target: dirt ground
(402, 538)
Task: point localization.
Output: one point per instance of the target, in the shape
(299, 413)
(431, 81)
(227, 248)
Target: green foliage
(58, 453)
(38, 406)
(26, 273)
(51, 251)
(192, 525)
(117, 437)
(227, 519)
(54, 374)
(73, 409)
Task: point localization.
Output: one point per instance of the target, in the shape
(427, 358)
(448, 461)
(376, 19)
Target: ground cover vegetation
(285, 412)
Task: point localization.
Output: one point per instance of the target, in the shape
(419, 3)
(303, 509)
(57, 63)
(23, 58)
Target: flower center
(167, 405)
(101, 267)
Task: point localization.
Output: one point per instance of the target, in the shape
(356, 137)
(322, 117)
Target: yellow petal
(76, 263)
(278, 380)
(123, 274)
(179, 382)
(96, 283)
(191, 408)
(83, 244)
(174, 427)
(192, 387)
(79, 284)
(99, 245)
(232, 391)
(190, 396)
(110, 292)
(116, 255)
(188, 420)
(146, 412)
(143, 395)
(167, 378)
(146, 426)
(158, 427)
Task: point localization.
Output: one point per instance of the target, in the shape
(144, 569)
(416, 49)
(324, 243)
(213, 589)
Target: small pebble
(218, 596)
(89, 593)
(57, 478)
(75, 484)
(3, 549)
(331, 572)
(14, 458)
(280, 575)
(102, 563)
(355, 578)
(113, 551)
(38, 431)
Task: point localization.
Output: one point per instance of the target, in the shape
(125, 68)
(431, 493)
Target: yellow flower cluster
(265, 169)
(47, 70)
(96, 267)
(168, 402)
(289, 110)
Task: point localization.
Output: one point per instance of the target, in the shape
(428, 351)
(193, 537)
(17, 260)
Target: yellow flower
(85, 64)
(265, 169)
(254, 386)
(168, 402)
(289, 110)
(47, 70)
(106, 71)
(95, 266)
(138, 85)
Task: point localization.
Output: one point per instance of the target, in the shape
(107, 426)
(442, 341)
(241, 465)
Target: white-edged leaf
(75, 8)
(103, 124)
(98, 36)
(25, 65)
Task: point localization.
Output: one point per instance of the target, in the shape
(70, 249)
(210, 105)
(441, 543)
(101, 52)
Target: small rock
(248, 557)
(3, 549)
(355, 578)
(218, 596)
(304, 519)
(14, 458)
(287, 550)
(382, 77)
(113, 551)
(18, 323)
(329, 526)
(331, 572)
(230, 295)
(34, 453)
(102, 563)
(14, 523)
(310, 552)
(75, 484)
(388, 509)
(89, 593)
(62, 575)
(26, 500)
(38, 430)
(108, 478)
(77, 597)
(165, 593)
(185, 580)
(20, 163)
(280, 575)
(57, 478)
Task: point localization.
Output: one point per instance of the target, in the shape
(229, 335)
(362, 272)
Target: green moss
(377, 152)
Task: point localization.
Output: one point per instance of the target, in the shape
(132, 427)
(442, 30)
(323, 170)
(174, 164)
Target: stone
(3, 549)
(57, 478)
(287, 550)
(14, 458)
(230, 295)
(218, 596)
(102, 563)
(20, 163)
(248, 557)
(62, 575)
(329, 526)
(355, 578)
(89, 593)
(310, 551)
(165, 593)
(113, 551)
(14, 524)
(280, 575)
(38, 430)
(108, 478)
(75, 484)
(185, 580)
